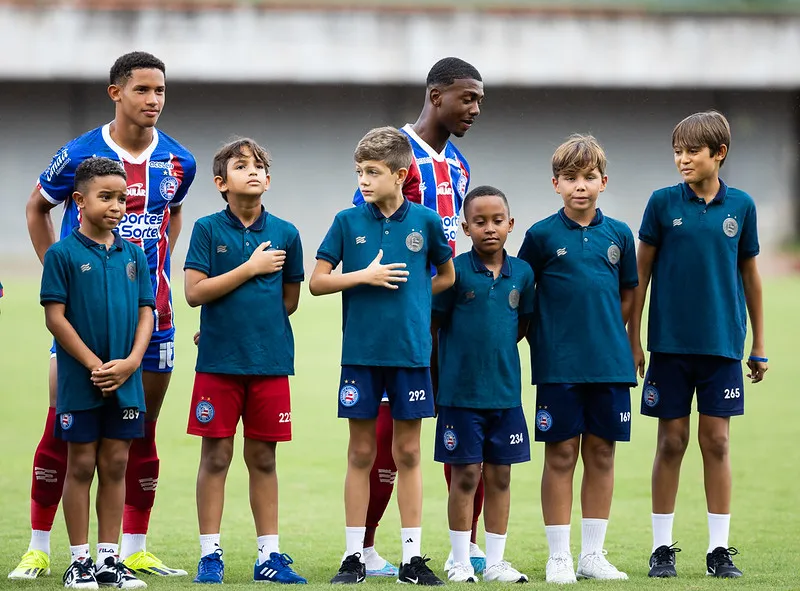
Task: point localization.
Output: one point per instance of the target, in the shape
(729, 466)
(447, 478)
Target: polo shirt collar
(479, 267)
(256, 226)
(397, 216)
(573, 225)
(89, 243)
(722, 193)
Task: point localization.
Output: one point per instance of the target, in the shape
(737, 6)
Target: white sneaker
(595, 566)
(476, 557)
(503, 572)
(559, 569)
(80, 575)
(461, 573)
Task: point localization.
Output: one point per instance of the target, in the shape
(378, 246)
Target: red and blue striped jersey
(157, 179)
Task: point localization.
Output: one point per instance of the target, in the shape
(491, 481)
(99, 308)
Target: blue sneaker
(277, 570)
(211, 569)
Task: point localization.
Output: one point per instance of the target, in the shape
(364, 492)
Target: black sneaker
(80, 575)
(662, 562)
(112, 573)
(416, 572)
(351, 572)
(719, 563)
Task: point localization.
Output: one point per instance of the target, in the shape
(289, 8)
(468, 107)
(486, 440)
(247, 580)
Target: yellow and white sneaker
(149, 564)
(34, 563)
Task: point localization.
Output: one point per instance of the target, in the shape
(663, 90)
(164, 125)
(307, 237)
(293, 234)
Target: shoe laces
(723, 555)
(84, 567)
(562, 559)
(419, 564)
(284, 559)
(351, 564)
(665, 554)
(211, 563)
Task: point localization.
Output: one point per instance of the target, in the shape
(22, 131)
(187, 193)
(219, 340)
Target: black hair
(136, 60)
(94, 167)
(483, 191)
(449, 69)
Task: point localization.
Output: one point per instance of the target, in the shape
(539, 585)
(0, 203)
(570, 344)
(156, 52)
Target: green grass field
(765, 449)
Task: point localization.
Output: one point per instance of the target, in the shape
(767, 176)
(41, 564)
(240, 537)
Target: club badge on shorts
(348, 395)
(414, 241)
(204, 411)
(544, 420)
(450, 440)
(613, 254)
(650, 395)
(67, 420)
(731, 227)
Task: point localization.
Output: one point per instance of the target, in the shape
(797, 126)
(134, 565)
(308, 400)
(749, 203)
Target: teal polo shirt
(380, 326)
(577, 334)
(697, 304)
(478, 354)
(102, 290)
(247, 331)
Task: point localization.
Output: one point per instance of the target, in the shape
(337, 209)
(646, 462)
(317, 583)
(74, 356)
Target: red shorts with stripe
(262, 402)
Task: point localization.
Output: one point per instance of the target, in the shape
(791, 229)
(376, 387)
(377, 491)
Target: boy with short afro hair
(585, 268)
(703, 234)
(243, 368)
(386, 344)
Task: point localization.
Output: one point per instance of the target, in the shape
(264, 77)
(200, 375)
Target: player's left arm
(444, 278)
(440, 254)
(751, 281)
(175, 225)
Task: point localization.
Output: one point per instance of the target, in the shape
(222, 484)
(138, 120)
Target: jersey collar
(397, 216)
(256, 226)
(122, 153)
(89, 243)
(573, 225)
(438, 156)
(719, 198)
(479, 267)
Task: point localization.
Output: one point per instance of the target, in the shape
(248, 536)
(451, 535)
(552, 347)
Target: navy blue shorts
(362, 387)
(672, 380)
(475, 435)
(159, 357)
(564, 411)
(104, 422)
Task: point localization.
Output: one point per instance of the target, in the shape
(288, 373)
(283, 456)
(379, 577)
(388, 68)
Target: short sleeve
(650, 230)
(444, 302)
(439, 251)
(56, 183)
(748, 243)
(628, 273)
(146, 297)
(189, 171)
(199, 255)
(529, 253)
(332, 246)
(527, 292)
(55, 277)
(293, 266)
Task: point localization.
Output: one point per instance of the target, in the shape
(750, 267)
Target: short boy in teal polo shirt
(98, 303)
(244, 267)
(700, 234)
(581, 362)
(386, 344)
(479, 396)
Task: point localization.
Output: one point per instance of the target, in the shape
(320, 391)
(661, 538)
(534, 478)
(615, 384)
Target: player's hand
(263, 261)
(112, 375)
(196, 338)
(757, 368)
(388, 275)
(638, 358)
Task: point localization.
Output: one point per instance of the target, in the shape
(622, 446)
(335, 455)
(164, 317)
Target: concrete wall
(312, 130)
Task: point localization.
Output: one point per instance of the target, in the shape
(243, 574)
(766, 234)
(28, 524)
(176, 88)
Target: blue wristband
(759, 359)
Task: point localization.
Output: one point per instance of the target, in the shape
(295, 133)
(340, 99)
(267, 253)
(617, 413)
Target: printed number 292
(415, 395)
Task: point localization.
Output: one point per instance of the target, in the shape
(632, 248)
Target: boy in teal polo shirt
(581, 363)
(98, 304)
(700, 233)
(386, 344)
(243, 259)
(479, 396)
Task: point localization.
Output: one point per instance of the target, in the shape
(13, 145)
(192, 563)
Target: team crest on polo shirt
(348, 395)
(414, 241)
(513, 299)
(613, 254)
(204, 411)
(130, 269)
(67, 421)
(650, 395)
(544, 420)
(731, 227)
(450, 440)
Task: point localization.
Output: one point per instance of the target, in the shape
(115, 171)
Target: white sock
(495, 548)
(266, 546)
(131, 544)
(208, 544)
(105, 550)
(79, 552)
(459, 541)
(354, 540)
(412, 543)
(719, 526)
(557, 538)
(593, 535)
(662, 529)
(40, 540)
